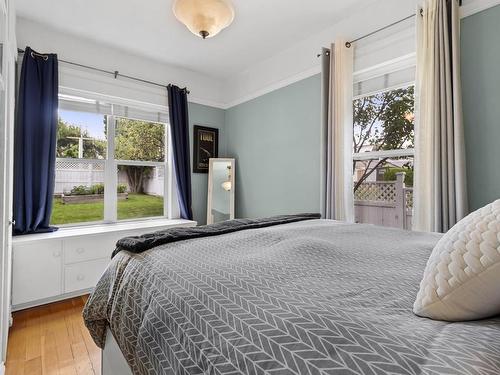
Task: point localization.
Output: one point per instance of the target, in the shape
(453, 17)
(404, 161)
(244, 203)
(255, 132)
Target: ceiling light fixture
(205, 18)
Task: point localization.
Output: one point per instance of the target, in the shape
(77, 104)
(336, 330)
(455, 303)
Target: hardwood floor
(52, 339)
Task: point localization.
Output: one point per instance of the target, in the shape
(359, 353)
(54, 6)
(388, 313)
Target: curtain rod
(349, 44)
(115, 73)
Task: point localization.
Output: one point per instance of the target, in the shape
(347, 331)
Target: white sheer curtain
(440, 185)
(338, 119)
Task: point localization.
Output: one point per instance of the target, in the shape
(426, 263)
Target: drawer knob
(80, 250)
(80, 277)
(56, 254)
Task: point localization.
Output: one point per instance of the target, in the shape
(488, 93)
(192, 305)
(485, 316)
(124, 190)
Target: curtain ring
(45, 57)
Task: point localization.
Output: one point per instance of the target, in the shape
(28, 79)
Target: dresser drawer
(81, 249)
(83, 275)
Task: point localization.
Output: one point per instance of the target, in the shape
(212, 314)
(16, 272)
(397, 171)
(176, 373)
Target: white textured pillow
(462, 277)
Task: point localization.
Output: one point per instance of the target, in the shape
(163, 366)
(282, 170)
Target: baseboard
(2, 368)
(44, 301)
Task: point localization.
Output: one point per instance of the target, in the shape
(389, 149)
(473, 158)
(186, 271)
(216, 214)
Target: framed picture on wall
(205, 146)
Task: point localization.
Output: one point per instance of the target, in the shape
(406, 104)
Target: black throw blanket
(138, 244)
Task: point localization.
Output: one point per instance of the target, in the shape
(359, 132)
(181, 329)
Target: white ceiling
(148, 28)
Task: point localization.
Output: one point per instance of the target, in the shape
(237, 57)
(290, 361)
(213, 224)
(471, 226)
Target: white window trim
(173, 210)
(102, 228)
(390, 88)
(89, 95)
(170, 204)
(386, 67)
(139, 163)
(3, 62)
(383, 154)
(110, 175)
(167, 177)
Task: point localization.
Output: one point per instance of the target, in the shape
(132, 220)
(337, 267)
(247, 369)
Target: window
(140, 156)
(111, 163)
(383, 146)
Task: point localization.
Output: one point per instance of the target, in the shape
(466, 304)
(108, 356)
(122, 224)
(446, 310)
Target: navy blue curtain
(35, 143)
(179, 127)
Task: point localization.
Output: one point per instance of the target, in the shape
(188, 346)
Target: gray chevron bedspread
(314, 297)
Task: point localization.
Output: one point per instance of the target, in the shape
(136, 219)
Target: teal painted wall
(481, 104)
(275, 140)
(212, 117)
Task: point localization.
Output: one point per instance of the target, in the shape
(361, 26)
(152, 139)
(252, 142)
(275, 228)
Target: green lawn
(136, 206)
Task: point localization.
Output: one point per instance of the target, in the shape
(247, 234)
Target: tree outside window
(75, 142)
(139, 141)
(383, 122)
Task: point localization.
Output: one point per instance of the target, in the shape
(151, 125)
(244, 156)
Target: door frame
(7, 113)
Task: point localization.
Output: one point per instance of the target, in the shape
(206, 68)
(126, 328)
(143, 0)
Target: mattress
(312, 297)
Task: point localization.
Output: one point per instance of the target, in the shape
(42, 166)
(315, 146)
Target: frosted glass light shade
(205, 18)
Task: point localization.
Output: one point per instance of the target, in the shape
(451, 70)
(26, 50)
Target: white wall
(204, 90)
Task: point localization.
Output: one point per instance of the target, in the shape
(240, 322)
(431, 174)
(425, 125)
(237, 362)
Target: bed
(306, 297)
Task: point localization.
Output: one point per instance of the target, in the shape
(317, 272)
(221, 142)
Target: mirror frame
(211, 161)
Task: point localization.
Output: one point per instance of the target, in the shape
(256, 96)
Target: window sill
(86, 230)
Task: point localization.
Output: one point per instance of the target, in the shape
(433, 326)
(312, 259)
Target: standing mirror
(220, 190)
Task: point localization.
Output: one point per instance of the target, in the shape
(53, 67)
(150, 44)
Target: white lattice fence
(376, 192)
(73, 172)
(384, 203)
(76, 172)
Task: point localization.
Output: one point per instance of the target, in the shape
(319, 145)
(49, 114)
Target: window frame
(110, 214)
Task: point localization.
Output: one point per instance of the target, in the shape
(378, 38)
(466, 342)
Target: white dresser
(69, 262)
